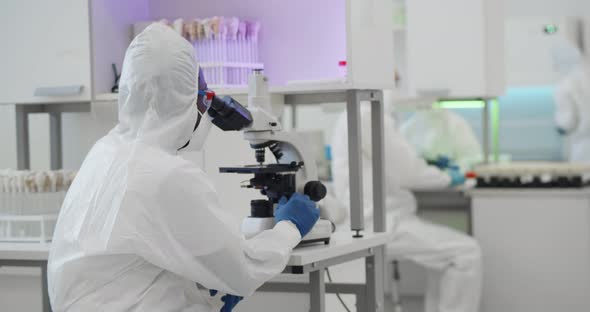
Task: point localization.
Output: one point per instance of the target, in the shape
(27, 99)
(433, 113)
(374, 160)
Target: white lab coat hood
(140, 225)
(158, 90)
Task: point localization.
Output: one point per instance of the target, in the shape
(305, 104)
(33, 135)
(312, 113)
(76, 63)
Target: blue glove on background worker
(445, 163)
(457, 177)
(442, 162)
(300, 210)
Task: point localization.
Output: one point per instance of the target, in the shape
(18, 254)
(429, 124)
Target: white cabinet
(455, 48)
(540, 50)
(299, 40)
(45, 54)
(536, 249)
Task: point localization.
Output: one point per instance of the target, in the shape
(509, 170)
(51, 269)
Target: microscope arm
(293, 150)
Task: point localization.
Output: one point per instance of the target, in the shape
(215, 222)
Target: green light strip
(459, 104)
(494, 109)
(495, 129)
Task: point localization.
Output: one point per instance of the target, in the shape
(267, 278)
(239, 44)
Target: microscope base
(321, 232)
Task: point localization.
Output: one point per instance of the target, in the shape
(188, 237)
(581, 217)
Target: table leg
(44, 289)
(378, 144)
(56, 141)
(293, 116)
(374, 270)
(355, 170)
(317, 291)
(23, 160)
(486, 132)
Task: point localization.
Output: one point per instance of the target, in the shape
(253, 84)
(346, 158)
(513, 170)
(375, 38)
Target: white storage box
(35, 228)
(30, 203)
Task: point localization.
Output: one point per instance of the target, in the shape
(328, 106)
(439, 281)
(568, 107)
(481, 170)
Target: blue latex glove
(300, 210)
(562, 131)
(229, 301)
(442, 162)
(457, 177)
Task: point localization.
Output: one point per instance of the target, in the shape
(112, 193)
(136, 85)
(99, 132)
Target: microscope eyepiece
(228, 114)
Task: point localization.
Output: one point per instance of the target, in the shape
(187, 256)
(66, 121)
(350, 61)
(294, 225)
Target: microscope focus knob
(315, 190)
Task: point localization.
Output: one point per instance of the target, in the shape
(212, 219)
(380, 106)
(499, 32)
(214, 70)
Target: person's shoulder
(156, 166)
(183, 173)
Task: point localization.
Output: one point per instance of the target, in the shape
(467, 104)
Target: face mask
(201, 133)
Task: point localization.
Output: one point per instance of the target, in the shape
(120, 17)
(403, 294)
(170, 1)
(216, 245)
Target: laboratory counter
(312, 259)
(535, 243)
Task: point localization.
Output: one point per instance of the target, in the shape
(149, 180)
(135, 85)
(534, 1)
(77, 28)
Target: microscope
(294, 169)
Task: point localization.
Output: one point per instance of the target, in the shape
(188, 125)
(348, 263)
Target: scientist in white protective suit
(572, 111)
(443, 138)
(140, 226)
(453, 259)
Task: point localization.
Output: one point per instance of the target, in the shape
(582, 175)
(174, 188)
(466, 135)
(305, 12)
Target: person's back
(89, 259)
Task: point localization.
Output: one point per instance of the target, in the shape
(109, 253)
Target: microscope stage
(268, 168)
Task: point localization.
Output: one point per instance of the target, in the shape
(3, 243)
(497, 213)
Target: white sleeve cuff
(288, 231)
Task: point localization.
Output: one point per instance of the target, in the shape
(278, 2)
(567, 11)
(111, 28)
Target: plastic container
(343, 72)
(35, 228)
(30, 202)
(226, 48)
(29, 217)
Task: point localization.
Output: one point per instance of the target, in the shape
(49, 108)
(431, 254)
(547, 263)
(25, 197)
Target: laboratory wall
(39, 136)
(80, 131)
(526, 114)
(515, 8)
(307, 19)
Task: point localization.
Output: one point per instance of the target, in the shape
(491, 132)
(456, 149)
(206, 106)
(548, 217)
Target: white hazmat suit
(140, 225)
(572, 114)
(452, 258)
(440, 132)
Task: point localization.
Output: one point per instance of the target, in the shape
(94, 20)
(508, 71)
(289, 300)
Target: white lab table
(28, 255)
(312, 259)
(536, 248)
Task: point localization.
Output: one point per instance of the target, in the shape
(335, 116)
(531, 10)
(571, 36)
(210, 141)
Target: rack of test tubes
(226, 47)
(30, 202)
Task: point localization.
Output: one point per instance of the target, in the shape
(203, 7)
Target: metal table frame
(42, 264)
(370, 296)
(54, 110)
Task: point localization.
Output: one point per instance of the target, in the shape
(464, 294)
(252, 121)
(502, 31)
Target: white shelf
(342, 244)
(107, 97)
(24, 251)
(229, 90)
(318, 86)
(219, 90)
(231, 65)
